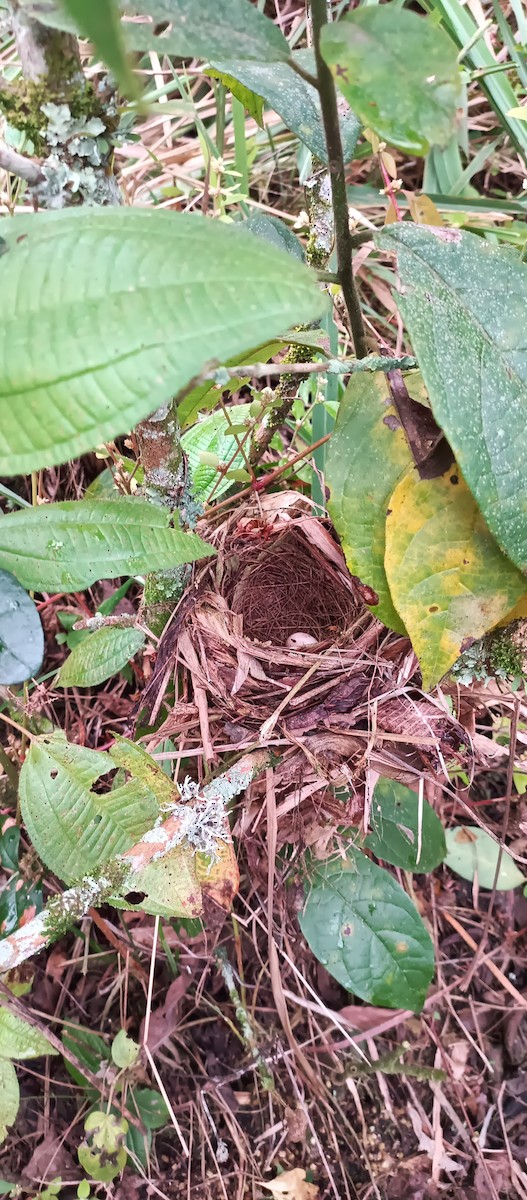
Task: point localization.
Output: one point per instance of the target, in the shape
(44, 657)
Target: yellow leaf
(390, 216)
(517, 613)
(423, 210)
(292, 1185)
(389, 163)
(448, 578)
(519, 113)
(219, 880)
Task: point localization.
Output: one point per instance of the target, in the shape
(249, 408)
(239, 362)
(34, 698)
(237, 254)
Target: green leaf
(211, 436)
(68, 546)
(169, 887)
(74, 829)
(21, 634)
(206, 28)
(103, 1153)
(135, 302)
(471, 853)
(150, 1107)
(124, 1050)
(20, 1040)
(101, 655)
(90, 1050)
(448, 578)
(100, 22)
(403, 833)
(295, 100)
(368, 454)
(252, 103)
(464, 303)
(365, 930)
(274, 231)
(9, 1097)
(399, 73)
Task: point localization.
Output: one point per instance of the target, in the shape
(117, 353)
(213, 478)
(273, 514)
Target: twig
(331, 366)
(504, 827)
(299, 70)
(18, 164)
(487, 961)
(119, 876)
(344, 245)
(265, 480)
(244, 1021)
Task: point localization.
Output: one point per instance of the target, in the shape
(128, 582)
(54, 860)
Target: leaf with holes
(69, 545)
(73, 828)
(449, 580)
(473, 854)
(404, 833)
(105, 652)
(464, 301)
(131, 303)
(399, 72)
(368, 454)
(365, 930)
(19, 1039)
(21, 633)
(294, 99)
(9, 1097)
(206, 29)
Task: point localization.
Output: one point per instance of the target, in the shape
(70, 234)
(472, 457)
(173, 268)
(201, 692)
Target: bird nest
(273, 645)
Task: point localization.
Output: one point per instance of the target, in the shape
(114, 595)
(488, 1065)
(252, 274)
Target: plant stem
(344, 245)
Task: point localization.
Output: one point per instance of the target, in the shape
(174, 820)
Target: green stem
(344, 245)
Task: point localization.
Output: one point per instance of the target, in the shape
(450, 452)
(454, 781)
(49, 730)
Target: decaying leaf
(292, 1185)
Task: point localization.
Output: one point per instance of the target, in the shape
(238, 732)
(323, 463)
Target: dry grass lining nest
(274, 645)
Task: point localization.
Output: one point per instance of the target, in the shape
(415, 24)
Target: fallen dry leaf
(292, 1185)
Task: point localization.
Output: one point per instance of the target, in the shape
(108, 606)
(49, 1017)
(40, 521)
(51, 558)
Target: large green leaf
(105, 314)
(67, 546)
(368, 454)
(365, 930)
(20, 1040)
(105, 652)
(21, 634)
(206, 28)
(399, 73)
(295, 100)
(473, 854)
(448, 578)
(9, 1096)
(100, 21)
(185, 28)
(464, 303)
(74, 829)
(404, 833)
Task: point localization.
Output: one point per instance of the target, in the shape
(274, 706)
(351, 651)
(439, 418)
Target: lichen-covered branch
(166, 482)
(68, 123)
(18, 164)
(198, 823)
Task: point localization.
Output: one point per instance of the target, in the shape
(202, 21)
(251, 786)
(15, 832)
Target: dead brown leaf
(292, 1185)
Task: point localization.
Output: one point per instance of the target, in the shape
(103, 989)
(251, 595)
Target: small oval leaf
(403, 832)
(472, 853)
(365, 930)
(98, 657)
(21, 633)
